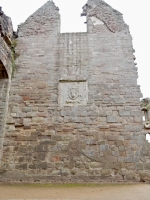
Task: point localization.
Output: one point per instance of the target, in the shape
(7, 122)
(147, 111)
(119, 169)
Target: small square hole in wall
(71, 19)
(148, 137)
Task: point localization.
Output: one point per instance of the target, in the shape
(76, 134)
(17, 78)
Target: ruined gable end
(99, 13)
(45, 19)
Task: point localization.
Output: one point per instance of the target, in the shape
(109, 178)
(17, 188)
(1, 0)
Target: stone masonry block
(128, 160)
(112, 138)
(124, 113)
(139, 166)
(111, 119)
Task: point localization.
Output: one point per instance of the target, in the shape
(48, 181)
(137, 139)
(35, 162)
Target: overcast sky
(136, 15)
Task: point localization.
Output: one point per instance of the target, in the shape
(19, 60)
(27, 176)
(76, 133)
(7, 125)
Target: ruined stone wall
(74, 109)
(6, 37)
(6, 33)
(5, 59)
(4, 96)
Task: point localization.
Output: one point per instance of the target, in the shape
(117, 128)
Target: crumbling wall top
(6, 28)
(110, 17)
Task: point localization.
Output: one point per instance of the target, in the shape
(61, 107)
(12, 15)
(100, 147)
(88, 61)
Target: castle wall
(4, 89)
(74, 109)
(6, 32)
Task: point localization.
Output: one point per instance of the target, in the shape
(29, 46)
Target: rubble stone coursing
(74, 105)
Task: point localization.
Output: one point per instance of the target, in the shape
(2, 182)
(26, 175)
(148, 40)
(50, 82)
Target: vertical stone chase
(74, 107)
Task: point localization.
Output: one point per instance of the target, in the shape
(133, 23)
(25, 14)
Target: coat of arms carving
(73, 93)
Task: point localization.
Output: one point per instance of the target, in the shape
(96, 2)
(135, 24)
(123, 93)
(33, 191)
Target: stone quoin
(69, 102)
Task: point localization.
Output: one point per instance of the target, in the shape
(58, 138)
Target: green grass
(68, 185)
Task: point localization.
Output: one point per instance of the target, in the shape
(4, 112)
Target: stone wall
(74, 109)
(4, 89)
(6, 33)
(5, 59)
(6, 37)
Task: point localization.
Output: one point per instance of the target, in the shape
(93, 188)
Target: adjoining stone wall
(6, 36)
(6, 33)
(4, 89)
(74, 109)
(6, 29)
(5, 59)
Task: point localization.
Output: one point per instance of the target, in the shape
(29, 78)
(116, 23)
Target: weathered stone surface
(106, 172)
(74, 108)
(6, 36)
(144, 176)
(124, 113)
(6, 33)
(111, 119)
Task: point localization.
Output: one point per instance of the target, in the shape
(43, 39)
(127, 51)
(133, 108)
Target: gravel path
(76, 192)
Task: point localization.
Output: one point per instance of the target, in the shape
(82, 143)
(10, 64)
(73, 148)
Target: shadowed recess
(3, 72)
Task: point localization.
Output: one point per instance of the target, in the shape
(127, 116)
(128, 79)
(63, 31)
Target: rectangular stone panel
(72, 93)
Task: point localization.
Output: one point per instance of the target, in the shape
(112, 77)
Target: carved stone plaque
(73, 93)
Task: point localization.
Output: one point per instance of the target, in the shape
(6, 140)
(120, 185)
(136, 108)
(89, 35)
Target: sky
(136, 15)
